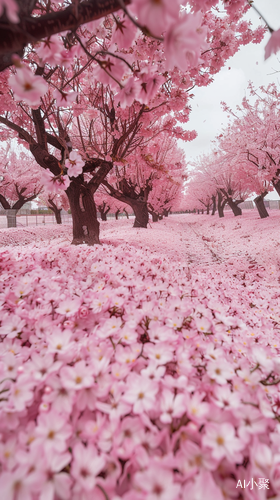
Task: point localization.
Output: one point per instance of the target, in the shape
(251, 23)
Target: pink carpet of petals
(143, 369)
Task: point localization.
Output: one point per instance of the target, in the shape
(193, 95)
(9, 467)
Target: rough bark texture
(214, 206)
(234, 206)
(15, 37)
(84, 214)
(57, 211)
(221, 204)
(140, 210)
(155, 217)
(259, 202)
(104, 210)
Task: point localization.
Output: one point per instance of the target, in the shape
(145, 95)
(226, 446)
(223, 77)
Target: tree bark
(126, 213)
(117, 214)
(259, 202)
(55, 210)
(165, 212)
(221, 204)
(214, 207)
(234, 206)
(141, 213)
(208, 209)
(84, 214)
(155, 216)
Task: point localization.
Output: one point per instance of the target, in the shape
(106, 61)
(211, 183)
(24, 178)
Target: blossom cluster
(124, 375)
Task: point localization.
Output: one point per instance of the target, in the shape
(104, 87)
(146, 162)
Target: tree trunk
(214, 207)
(208, 209)
(11, 217)
(117, 214)
(154, 216)
(234, 206)
(140, 210)
(165, 212)
(84, 214)
(160, 217)
(221, 205)
(259, 202)
(103, 215)
(126, 213)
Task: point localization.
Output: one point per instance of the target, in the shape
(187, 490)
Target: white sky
(207, 117)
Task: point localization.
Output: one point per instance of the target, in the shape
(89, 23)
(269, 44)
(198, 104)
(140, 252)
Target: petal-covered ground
(146, 368)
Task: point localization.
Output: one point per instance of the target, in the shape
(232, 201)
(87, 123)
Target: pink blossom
(54, 184)
(171, 406)
(124, 32)
(272, 45)
(220, 370)
(53, 432)
(69, 307)
(184, 41)
(223, 442)
(156, 16)
(74, 164)
(64, 99)
(76, 377)
(140, 393)
(21, 393)
(50, 50)
(28, 87)
(87, 464)
(158, 483)
(129, 93)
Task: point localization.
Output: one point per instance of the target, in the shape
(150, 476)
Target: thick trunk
(117, 214)
(154, 216)
(221, 205)
(259, 202)
(103, 216)
(208, 209)
(84, 214)
(234, 206)
(141, 213)
(165, 213)
(11, 217)
(214, 206)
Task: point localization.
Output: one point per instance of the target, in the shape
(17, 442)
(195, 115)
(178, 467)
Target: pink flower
(12, 326)
(53, 432)
(150, 84)
(273, 44)
(87, 464)
(22, 393)
(54, 184)
(197, 410)
(160, 353)
(184, 41)
(50, 50)
(28, 87)
(74, 164)
(15, 485)
(158, 483)
(220, 370)
(69, 307)
(204, 486)
(76, 377)
(171, 406)
(56, 484)
(223, 442)
(124, 32)
(64, 99)
(141, 393)
(129, 93)
(156, 15)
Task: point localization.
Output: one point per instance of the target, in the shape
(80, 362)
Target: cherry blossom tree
(26, 22)
(19, 181)
(56, 202)
(152, 181)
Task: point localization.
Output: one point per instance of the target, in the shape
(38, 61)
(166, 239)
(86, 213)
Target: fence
(24, 218)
